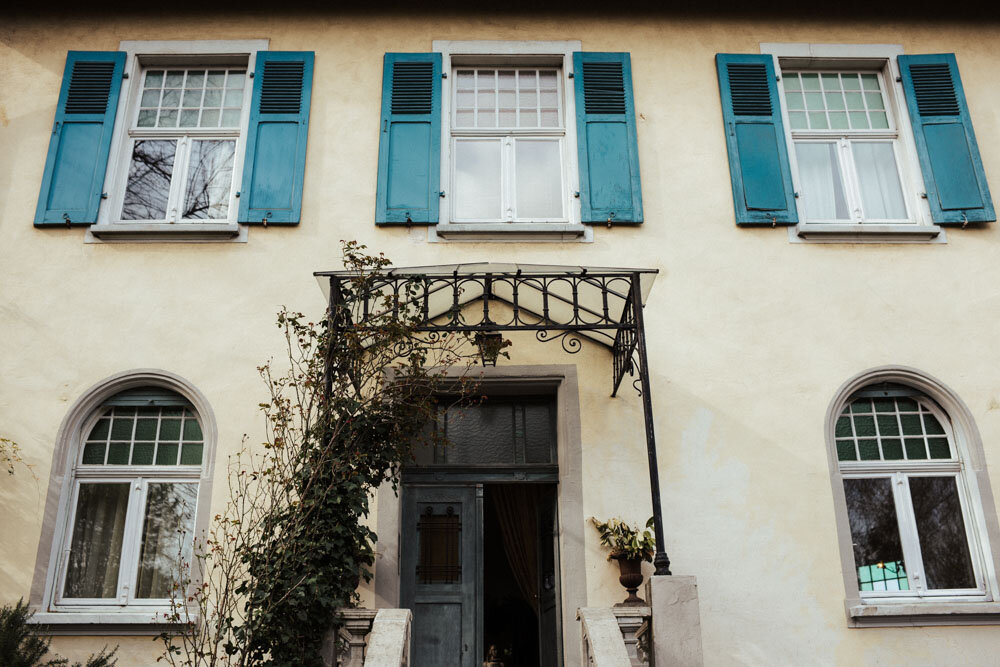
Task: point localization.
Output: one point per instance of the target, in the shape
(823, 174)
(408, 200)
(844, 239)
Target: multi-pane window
(184, 130)
(135, 492)
(508, 135)
(907, 498)
(845, 146)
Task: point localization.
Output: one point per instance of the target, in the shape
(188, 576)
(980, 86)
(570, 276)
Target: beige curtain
(516, 510)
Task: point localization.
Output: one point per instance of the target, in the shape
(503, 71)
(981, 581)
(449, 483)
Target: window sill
(885, 614)
(826, 233)
(512, 231)
(167, 233)
(102, 623)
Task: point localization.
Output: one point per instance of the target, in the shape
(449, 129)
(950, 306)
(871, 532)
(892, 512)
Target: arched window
(133, 496)
(911, 494)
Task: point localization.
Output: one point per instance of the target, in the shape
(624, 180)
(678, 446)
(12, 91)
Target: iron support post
(660, 560)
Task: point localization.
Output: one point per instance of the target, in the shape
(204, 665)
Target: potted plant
(629, 546)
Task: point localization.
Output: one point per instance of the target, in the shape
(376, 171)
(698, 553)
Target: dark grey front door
(440, 539)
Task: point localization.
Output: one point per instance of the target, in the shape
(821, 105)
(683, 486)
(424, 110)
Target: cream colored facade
(750, 335)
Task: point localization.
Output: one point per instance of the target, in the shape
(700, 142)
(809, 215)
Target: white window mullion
(130, 544)
(848, 174)
(908, 533)
(508, 177)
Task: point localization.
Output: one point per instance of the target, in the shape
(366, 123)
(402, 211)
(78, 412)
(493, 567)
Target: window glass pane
(142, 453)
(100, 430)
(822, 187)
(167, 532)
(166, 454)
(477, 179)
(210, 178)
(881, 193)
(149, 177)
(170, 429)
(480, 434)
(878, 552)
(845, 451)
(438, 531)
(538, 169)
(96, 549)
(192, 429)
(118, 453)
(93, 453)
(191, 454)
(941, 530)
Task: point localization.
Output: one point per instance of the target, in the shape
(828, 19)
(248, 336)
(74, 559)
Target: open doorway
(520, 598)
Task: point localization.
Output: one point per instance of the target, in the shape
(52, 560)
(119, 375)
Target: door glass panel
(477, 179)
(881, 193)
(878, 552)
(210, 178)
(95, 555)
(440, 557)
(149, 175)
(941, 530)
(538, 171)
(822, 185)
(167, 532)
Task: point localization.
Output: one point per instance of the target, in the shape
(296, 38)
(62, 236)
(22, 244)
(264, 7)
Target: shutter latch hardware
(104, 195)
(774, 221)
(66, 218)
(610, 216)
(965, 220)
(577, 194)
(441, 194)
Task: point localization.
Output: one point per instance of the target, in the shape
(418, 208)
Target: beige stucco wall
(750, 335)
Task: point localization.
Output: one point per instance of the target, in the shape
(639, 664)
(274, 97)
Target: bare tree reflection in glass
(209, 180)
(167, 533)
(149, 175)
(871, 511)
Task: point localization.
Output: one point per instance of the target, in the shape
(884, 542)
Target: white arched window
(133, 497)
(910, 477)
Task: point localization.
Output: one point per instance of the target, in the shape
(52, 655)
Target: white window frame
(146, 616)
(898, 472)
(920, 606)
(499, 53)
(881, 59)
(182, 53)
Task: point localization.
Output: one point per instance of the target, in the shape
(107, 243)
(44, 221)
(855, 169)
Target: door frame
(561, 381)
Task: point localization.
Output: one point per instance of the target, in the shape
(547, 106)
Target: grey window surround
(907, 611)
(108, 620)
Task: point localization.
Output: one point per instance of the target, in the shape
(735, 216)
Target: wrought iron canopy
(556, 302)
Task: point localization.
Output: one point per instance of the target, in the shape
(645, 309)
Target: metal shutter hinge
(124, 75)
(444, 75)
(570, 75)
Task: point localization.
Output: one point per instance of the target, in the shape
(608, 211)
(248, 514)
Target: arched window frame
(978, 606)
(60, 503)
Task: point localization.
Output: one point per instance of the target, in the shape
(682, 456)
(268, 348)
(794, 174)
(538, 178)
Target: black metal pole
(660, 560)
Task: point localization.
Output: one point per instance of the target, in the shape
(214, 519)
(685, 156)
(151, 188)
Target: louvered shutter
(73, 179)
(755, 139)
(942, 128)
(608, 153)
(275, 162)
(409, 148)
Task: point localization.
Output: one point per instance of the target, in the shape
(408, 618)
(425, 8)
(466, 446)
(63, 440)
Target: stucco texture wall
(750, 335)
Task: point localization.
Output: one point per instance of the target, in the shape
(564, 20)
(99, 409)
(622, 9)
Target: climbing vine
(291, 544)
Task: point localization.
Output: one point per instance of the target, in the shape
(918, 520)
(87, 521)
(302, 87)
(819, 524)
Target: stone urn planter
(629, 545)
(630, 578)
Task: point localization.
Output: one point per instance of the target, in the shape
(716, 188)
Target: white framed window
(907, 500)
(134, 497)
(509, 154)
(845, 140)
(176, 162)
(909, 484)
(182, 145)
(507, 133)
(850, 146)
(131, 482)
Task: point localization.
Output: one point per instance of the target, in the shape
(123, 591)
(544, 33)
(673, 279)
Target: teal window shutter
(755, 139)
(409, 147)
(275, 162)
(608, 153)
(942, 129)
(73, 180)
